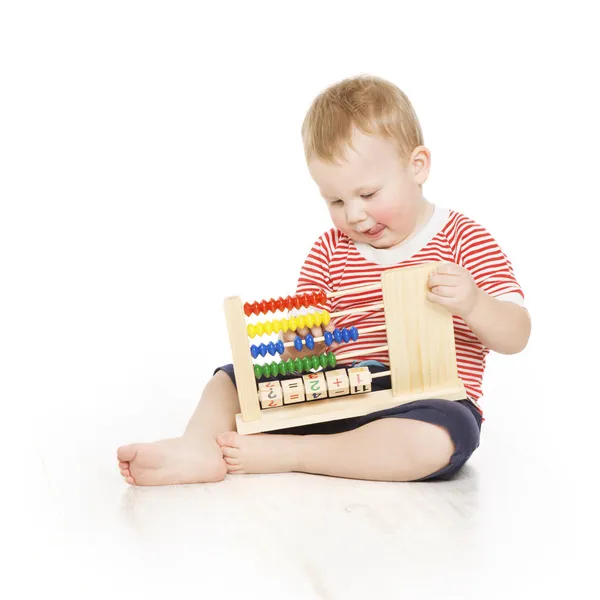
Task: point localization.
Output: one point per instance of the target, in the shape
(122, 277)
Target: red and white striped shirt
(335, 262)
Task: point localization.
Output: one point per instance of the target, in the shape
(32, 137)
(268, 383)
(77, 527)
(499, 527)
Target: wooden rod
(355, 290)
(359, 352)
(382, 374)
(351, 311)
(361, 331)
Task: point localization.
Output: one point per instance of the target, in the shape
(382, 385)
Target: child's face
(372, 197)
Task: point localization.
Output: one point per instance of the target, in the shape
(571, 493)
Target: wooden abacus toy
(420, 343)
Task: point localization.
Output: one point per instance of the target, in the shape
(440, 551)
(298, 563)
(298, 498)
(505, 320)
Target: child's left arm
(502, 326)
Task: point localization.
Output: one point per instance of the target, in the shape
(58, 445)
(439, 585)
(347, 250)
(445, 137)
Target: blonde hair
(372, 105)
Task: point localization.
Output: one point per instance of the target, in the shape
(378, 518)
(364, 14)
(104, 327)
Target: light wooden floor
(505, 528)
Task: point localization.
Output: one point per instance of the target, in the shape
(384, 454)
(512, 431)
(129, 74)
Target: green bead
(298, 365)
(314, 361)
(282, 368)
(306, 364)
(331, 359)
(290, 365)
(274, 369)
(258, 371)
(323, 360)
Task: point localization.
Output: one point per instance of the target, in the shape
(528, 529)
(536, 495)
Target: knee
(437, 446)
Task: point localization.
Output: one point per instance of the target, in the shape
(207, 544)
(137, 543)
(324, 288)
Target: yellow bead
(293, 324)
(276, 326)
(285, 325)
(326, 318)
(310, 320)
(301, 322)
(268, 327)
(251, 330)
(318, 317)
(259, 329)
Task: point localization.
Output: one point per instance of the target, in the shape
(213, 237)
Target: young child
(365, 151)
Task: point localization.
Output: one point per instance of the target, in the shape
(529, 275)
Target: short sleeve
(478, 252)
(315, 272)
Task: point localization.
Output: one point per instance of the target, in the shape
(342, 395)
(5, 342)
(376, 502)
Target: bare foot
(260, 453)
(173, 461)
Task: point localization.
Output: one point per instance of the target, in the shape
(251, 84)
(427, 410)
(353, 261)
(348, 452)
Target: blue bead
(328, 338)
(345, 335)
(271, 348)
(254, 351)
(279, 347)
(354, 333)
(337, 336)
(298, 343)
(263, 350)
(310, 341)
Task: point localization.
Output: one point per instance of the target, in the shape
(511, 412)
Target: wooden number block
(337, 382)
(360, 380)
(315, 386)
(270, 394)
(293, 391)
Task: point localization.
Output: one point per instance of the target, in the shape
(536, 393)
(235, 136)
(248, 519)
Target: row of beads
(272, 305)
(339, 336)
(298, 365)
(291, 324)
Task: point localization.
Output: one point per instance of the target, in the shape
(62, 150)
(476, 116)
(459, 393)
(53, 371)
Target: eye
(337, 202)
(367, 196)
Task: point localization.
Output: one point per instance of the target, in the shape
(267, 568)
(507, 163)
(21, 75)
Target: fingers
(444, 291)
(443, 280)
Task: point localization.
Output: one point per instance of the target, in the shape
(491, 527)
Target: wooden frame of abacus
(422, 357)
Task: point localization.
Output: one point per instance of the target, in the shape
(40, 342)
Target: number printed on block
(270, 394)
(293, 391)
(315, 386)
(337, 383)
(360, 380)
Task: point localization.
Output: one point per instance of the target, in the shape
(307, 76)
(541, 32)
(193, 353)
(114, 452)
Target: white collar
(404, 251)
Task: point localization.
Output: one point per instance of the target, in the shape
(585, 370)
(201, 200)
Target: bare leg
(194, 457)
(385, 450)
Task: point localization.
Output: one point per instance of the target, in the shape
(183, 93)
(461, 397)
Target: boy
(364, 149)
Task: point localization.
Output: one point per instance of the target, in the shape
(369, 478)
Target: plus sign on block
(337, 382)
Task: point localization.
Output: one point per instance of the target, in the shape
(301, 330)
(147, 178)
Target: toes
(230, 452)
(235, 470)
(130, 480)
(228, 438)
(126, 472)
(123, 465)
(232, 461)
(127, 453)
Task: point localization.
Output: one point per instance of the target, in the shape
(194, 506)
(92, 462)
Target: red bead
(272, 305)
(248, 309)
(297, 301)
(255, 308)
(322, 298)
(310, 299)
(289, 303)
(280, 303)
(263, 307)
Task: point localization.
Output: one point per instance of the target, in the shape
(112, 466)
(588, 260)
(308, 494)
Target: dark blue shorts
(460, 418)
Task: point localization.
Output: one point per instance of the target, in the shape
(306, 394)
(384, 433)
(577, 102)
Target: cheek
(389, 214)
(338, 218)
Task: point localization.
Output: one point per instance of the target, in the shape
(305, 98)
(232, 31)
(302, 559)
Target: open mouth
(374, 231)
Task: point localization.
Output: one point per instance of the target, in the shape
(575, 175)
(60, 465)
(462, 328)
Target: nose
(355, 213)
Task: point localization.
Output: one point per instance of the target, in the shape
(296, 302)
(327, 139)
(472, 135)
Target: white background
(151, 165)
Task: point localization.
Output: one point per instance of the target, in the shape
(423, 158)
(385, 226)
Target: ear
(420, 162)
